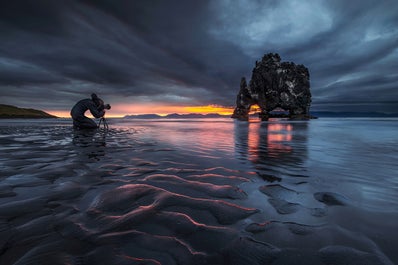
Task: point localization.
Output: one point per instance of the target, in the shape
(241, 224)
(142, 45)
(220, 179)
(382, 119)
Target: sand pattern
(75, 197)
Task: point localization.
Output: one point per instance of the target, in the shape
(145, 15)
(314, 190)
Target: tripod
(104, 123)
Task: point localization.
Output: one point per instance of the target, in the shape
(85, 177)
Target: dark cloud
(43, 17)
(194, 52)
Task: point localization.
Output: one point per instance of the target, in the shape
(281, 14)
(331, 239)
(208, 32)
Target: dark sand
(125, 197)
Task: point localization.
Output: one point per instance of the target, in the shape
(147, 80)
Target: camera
(102, 107)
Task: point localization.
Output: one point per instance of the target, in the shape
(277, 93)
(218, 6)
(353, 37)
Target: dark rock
(268, 177)
(330, 198)
(275, 85)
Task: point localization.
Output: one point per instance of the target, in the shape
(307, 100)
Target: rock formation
(275, 85)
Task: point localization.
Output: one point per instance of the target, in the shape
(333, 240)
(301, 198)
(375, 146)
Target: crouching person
(96, 107)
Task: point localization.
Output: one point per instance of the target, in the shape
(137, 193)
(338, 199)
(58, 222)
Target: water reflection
(271, 143)
(91, 143)
(203, 137)
(279, 137)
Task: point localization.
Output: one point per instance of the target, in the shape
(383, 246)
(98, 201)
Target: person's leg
(84, 123)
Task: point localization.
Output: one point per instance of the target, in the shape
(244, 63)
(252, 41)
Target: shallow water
(199, 192)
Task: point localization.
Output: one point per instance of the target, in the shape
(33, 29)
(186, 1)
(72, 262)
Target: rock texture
(275, 84)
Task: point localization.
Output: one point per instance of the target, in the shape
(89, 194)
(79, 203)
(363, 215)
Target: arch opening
(279, 112)
(254, 109)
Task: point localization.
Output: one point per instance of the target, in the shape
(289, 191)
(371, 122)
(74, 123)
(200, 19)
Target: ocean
(199, 191)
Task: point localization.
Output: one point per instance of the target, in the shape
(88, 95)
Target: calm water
(320, 187)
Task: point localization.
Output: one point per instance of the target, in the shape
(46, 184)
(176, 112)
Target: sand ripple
(71, 197)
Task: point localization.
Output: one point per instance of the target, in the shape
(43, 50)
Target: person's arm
(94, 111)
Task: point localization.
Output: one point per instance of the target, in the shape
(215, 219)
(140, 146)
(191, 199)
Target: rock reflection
(276, 142)
(278, 138)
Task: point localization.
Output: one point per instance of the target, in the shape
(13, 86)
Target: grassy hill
(12, 112)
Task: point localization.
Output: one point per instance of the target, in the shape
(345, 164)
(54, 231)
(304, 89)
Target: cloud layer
(195, 52)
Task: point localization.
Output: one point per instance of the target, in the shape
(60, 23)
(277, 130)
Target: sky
(166, 56)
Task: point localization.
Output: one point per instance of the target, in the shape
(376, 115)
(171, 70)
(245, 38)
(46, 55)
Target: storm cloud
(53, 53)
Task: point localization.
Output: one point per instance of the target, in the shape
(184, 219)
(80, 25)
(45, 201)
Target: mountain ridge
(320, 114)
(13, 112)
(176, 116)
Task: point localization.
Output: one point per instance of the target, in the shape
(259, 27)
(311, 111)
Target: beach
(199, 191)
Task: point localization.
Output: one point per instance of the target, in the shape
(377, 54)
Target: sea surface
(200, 191)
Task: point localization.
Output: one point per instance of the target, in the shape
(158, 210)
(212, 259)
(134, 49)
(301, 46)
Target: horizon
(164, 111)
(227, 114)
(206, 111)
(217, 110)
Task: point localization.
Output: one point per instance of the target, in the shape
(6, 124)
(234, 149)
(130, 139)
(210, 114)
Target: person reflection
(90, 144)
(273, 143)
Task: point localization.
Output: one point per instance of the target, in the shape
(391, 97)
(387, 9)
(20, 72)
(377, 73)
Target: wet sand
(127, 197)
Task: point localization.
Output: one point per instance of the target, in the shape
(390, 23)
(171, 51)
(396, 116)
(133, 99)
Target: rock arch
(275, 84)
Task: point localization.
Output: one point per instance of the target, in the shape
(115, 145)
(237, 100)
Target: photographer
(96, 107)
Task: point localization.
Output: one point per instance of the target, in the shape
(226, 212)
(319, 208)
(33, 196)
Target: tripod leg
(106, 124)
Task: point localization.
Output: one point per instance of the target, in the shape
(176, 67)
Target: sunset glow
(277, 139)
(121, 110)
(209, 109)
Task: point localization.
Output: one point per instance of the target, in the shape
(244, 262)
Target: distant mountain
(314, 114)
(195, 116)
(12, 112)
(177, 116)
(143, 116)
(352, 114)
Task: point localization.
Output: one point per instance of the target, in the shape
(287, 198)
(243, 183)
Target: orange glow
(59, 113)
(253, 140)
(278, 135)
(277, 127)
(254, 109)
(209, 109)
(120, 110)
(206, 137)
(66, 114)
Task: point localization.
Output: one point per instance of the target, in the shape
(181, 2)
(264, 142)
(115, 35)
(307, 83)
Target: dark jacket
(82, 106)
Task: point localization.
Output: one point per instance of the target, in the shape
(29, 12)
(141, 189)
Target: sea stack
(275, 85)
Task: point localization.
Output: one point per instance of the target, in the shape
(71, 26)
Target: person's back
(83, 105)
